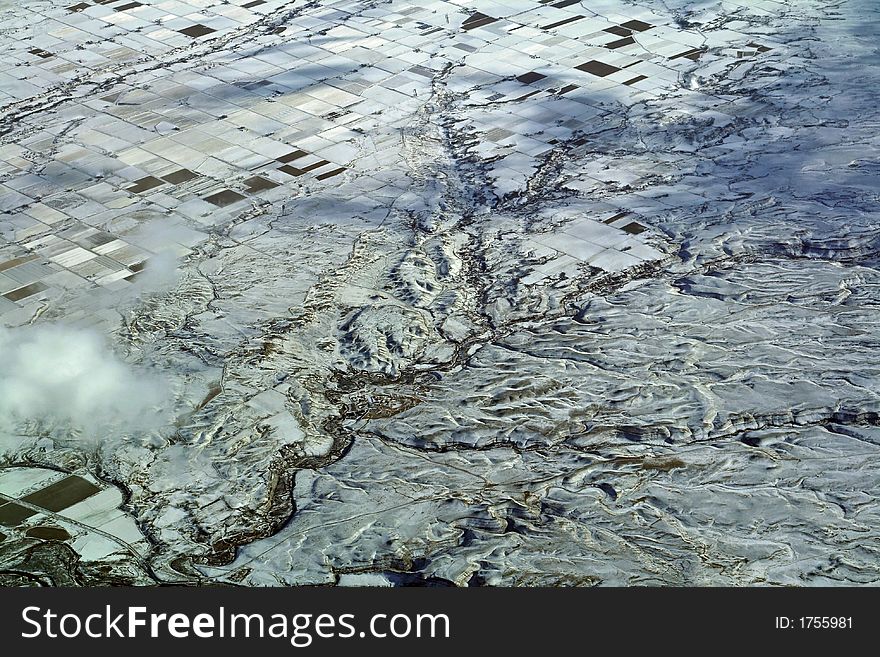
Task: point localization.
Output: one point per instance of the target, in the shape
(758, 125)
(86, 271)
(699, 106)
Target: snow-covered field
(470, 292)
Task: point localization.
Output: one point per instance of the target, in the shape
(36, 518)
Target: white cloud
(68, 378)
(159, 276)
(161, 272)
